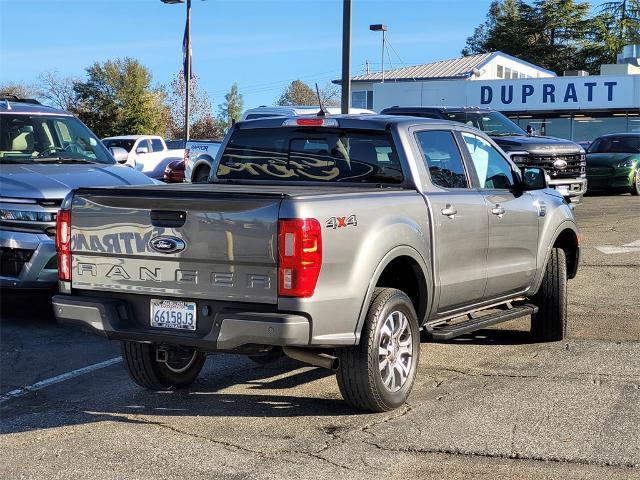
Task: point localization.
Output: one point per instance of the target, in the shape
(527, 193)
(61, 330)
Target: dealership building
(575, 105)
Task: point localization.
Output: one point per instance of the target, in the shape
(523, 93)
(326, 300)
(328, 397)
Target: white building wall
(490, 70)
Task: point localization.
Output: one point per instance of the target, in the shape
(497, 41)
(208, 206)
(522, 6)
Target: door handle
(449, 211)
(498, 210)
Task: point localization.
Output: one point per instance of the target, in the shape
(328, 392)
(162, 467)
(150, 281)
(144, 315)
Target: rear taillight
(185, 157)
(63, 244)
(300, 256)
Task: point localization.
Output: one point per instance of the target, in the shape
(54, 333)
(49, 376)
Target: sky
(262, 45)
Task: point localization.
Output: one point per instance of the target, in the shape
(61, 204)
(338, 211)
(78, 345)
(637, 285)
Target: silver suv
(44, 153)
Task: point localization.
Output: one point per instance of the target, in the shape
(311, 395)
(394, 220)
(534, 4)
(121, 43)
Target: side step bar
(448, 331)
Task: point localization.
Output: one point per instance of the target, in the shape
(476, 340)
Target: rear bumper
(222, 330)
(39, 271)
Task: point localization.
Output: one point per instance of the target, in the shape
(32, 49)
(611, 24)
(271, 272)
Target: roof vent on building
(576, 73)
(630, 54)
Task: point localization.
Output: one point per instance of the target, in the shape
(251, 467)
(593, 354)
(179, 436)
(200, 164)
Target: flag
(186, 56)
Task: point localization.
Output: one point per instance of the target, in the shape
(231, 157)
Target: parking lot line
(19, 392)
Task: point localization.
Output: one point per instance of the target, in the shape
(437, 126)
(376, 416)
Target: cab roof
(28, 107)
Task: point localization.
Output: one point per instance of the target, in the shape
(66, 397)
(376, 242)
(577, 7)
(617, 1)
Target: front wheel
(549, 324)
(378, 374)
(180, 369)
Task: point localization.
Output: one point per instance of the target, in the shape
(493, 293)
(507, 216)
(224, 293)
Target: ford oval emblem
(166, 244)
(560, 164)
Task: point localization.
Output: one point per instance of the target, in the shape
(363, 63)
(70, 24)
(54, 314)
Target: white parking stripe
(19, 392)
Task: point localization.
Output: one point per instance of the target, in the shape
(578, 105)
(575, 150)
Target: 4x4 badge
(342, 222)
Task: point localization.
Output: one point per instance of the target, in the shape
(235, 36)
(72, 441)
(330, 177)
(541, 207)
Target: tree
(626, 19)
(20, 90)
(297, 93)
(58, 91)
(117, 98)
(232, 107)
(200, 116)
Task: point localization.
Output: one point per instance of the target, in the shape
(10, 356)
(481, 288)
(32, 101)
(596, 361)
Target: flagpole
(187, 73)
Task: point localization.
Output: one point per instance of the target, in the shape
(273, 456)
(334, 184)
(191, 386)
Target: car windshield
(119, 142)
(492, 123)
(621, 144)
(26, 138)
(310, 155)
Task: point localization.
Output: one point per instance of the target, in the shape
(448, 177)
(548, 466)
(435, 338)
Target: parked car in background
(563, 160)
(174, 172)
(44, 153)
(294, 111)
(613, 163)
(330, 239)
(147, 153)
(198, 158)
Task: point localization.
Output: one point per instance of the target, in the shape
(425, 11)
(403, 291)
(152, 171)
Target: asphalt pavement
(489, 405)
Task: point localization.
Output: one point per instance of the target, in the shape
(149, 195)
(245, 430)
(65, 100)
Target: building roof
(462, 67)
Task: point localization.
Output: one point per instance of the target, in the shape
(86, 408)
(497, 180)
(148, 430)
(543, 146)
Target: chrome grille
(576, 164)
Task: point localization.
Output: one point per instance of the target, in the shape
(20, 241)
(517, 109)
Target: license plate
(173, 314)
(563, 189)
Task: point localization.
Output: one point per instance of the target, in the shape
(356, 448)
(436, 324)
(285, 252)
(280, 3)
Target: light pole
(379, 27)
(187, 63)
(345, 100)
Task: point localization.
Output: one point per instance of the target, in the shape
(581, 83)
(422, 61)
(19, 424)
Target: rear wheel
(201, 175)
(549, 324)
(180, 369)
(635, 186)
(378, 374)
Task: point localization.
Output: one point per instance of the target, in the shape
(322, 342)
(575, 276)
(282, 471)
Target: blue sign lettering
(570, 94)
(610, 86)
(548, 92)
(590, 86)
(503, 90)
(486, 95)
(527, 91)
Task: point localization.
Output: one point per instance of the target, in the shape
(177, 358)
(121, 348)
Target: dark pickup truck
(563, 160)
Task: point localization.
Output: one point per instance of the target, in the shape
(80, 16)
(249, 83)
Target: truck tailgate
(225, 243)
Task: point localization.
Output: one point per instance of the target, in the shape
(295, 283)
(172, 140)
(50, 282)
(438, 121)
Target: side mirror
(142, 150)
(533, 178)
(120, 154)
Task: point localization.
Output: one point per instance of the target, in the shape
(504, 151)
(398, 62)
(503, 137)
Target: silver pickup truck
(331, 239)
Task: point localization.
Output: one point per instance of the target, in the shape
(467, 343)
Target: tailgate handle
(167, 218)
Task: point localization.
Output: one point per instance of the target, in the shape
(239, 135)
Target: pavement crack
(512, 455)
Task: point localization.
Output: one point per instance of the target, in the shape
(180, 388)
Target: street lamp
(187, 63)
(379, 27)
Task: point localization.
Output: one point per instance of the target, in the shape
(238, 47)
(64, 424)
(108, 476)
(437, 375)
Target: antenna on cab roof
(322, 112)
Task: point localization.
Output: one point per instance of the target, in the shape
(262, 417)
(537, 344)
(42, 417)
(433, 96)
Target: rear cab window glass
(311, 154)
(442, 157)
(156, 143)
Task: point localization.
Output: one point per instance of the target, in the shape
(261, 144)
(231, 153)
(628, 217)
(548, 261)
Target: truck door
(513, 220)
(460, 222)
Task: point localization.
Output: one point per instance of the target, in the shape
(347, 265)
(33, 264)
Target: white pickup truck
(146, 153)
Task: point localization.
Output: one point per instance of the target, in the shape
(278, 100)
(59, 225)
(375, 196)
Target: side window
(144, 144)
(494, 172)
(443, 158)
(156, 143)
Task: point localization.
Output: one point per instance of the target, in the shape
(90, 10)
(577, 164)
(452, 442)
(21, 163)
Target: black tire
(635, 187)
(549, 324)
(272, 355)
(201, 175)
(359, 374)
(146, 371)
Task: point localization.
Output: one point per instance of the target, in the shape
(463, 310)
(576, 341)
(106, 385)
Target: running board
(449, 331)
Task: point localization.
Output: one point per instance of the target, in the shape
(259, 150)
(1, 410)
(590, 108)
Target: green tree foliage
(117, 98)
(232, 107)
(557, 34)
(298, 93)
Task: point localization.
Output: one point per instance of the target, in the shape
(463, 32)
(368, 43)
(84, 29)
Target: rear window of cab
(311, 154)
